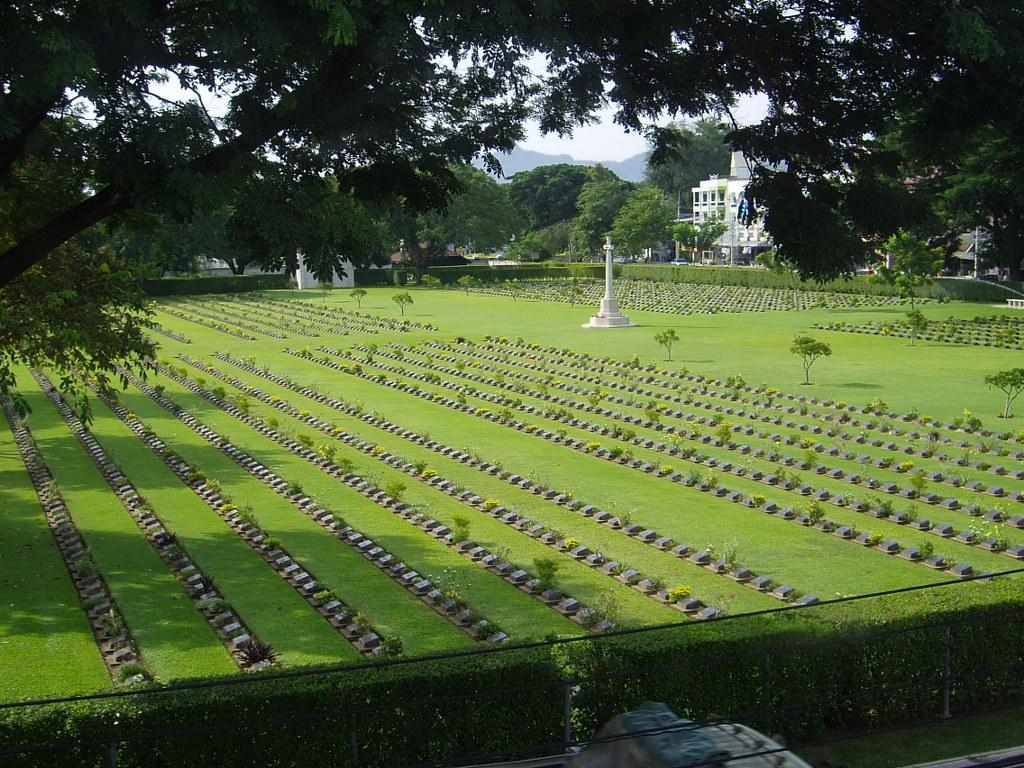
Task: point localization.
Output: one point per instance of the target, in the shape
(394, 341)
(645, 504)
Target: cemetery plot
(513, 616)
(1001, 331)
(44, 627)
(683, 298)
(820, 494)
(391, 489)
(316, 572)
(172, 639)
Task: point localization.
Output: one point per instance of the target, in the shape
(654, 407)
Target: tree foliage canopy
(322, 113)
(642, 221)
(383, 97)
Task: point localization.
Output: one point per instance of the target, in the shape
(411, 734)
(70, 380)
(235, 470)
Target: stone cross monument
(608, 316)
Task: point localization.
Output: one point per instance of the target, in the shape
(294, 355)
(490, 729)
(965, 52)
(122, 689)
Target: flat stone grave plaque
(741, 574)
(783, 592)
(963, 570)
(630, 575)
(761, 583)
(569, 605)
(700, 558)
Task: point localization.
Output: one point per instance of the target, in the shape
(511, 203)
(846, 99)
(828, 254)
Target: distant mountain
(630, 169)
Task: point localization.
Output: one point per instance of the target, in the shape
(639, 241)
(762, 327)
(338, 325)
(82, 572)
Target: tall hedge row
(802, 673)
(543, 270)
(186, 286)
(364, 277)
(946, 288)
(798, 673)
(381, 715)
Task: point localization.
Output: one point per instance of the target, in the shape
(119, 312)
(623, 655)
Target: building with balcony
(725, 198)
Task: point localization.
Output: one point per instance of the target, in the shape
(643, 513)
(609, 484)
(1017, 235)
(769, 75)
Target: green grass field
(503, 382)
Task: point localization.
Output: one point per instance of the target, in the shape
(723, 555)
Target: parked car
(679, 263)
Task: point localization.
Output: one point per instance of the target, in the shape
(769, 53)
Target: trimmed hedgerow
(798, 673)
(381, 715)
(543, 270)
(803, 673)
(187, 286)
(381, 276)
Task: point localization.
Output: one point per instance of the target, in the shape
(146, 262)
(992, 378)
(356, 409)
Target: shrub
(253, 651)
(679, 592)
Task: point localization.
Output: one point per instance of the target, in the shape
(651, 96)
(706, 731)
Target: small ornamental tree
(912, 264)
(466, 282)
(514, 288)
(917, 323)
(666, 339)
(1010, 382)
(403, 300)
(809, 349)
(325, 287)
(574, 292)
(358, 294)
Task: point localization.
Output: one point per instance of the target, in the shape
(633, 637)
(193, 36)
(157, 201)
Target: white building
(724, 198)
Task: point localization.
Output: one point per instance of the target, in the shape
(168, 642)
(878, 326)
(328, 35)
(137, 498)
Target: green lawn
(363, 587)
(171, 634)
(937, 379)
(270, 607)
(43, 630)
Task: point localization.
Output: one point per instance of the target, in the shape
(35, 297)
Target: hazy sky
(608, 141)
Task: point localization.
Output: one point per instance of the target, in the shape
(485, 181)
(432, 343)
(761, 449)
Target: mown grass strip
(43, 629)
(515, 612)
(269, 606)
(173, 638)
(768, 545)
(575, 578)
(391, 609)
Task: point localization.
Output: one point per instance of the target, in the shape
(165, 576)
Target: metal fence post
(353, 738)
(112, 754)
(946, 693)
(567, 715)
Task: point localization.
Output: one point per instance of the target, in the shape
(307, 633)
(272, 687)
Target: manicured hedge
(381, 276)
(819, 669)
(798, 673)
(187, 286)
(544, 270)
(946, 288)
(370, 712)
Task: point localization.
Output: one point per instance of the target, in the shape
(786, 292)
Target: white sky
(607, 141)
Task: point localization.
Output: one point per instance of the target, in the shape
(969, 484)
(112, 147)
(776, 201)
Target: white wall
(304, 278)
